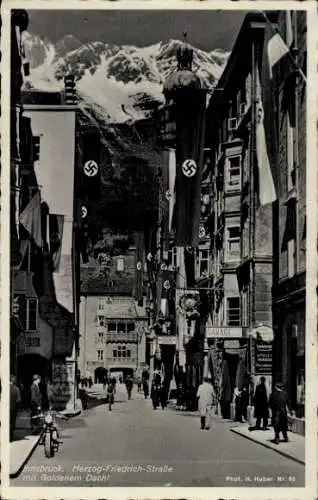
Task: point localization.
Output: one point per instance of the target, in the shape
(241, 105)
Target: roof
(121, 307)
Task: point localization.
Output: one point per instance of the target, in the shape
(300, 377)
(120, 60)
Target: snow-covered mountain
(117, 84)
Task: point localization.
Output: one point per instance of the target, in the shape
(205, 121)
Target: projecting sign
(139, 266)
(168, 195)
(166, 285)
(90, 168)
(201, 231)
(83, 212)
(189, 168)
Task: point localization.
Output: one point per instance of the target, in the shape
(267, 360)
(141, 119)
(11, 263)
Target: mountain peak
(66, 44)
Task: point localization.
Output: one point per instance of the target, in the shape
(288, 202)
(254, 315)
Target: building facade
(113, 336)
(289, 292)
(19, 23)
(51, 343)
(242, 214)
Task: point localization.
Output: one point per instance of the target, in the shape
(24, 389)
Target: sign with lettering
(223, 331)
(263, 358)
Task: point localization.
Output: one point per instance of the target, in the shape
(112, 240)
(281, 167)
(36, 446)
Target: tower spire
(185, 54)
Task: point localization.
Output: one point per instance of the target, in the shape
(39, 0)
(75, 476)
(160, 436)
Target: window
(121, 327)
(100, 355)
(233, 311)
(131, 327)
(120, 264)
(112, 327)
(31, 314)
(291, 251)
(233, 243)
(101, 321)
(245, 307)
(234, 172)
(121, 352)
(204, 258)
(100, 335)
(172, 257)
(100, 305)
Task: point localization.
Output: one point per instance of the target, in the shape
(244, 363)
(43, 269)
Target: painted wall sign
(263, 358)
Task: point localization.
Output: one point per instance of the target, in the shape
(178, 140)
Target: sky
(207, 30)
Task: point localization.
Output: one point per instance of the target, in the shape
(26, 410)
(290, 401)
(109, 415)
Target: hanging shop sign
(83, 212)
(189, 168)
(263, 358)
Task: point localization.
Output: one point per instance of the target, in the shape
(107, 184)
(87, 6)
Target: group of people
(40, 397)
(277, 402)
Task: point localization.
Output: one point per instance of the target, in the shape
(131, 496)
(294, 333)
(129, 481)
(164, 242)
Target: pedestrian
(129, 386)
(278, 405)
(35, 402)
(15, 400)
(155, 390)
(261, 404)
(111, 390)
(139, 384)
(90, 382)
(145, 383)
(206, 398)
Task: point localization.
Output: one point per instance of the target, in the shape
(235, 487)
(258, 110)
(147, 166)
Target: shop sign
(223, 331)
(167, 340)
(263, 358)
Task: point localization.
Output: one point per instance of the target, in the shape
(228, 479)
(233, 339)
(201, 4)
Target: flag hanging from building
(56, 225)
(276, 50)
(30, 219)
(172, 181)
(139, 265)
(190, 127)
(165, 199)
(266, 187)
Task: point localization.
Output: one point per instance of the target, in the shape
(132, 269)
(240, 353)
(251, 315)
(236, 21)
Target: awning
(263, 332)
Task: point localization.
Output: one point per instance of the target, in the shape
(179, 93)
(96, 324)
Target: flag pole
(292, 59)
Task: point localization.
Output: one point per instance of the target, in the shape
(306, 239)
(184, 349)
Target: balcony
(121, 337)
(121, 361)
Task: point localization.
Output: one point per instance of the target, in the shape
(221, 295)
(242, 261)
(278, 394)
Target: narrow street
(163, 447)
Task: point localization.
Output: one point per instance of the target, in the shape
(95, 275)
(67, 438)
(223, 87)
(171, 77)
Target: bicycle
(49, 437)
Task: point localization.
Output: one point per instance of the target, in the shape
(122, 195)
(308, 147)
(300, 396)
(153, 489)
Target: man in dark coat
(261, 404)
(36, 402)
(278, 405)
(129, 386)
(15, 400)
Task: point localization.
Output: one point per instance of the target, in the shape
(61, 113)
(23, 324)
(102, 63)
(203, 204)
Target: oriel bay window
(121, 327)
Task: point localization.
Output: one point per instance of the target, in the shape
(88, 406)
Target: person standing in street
(261, 404)
(129, 386)
(206, 397)
(36, 402)
(145, 383)
(15, 400)
(278, 405)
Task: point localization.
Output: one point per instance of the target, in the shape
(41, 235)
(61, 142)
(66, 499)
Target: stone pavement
(23, 445)
(294, 449)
